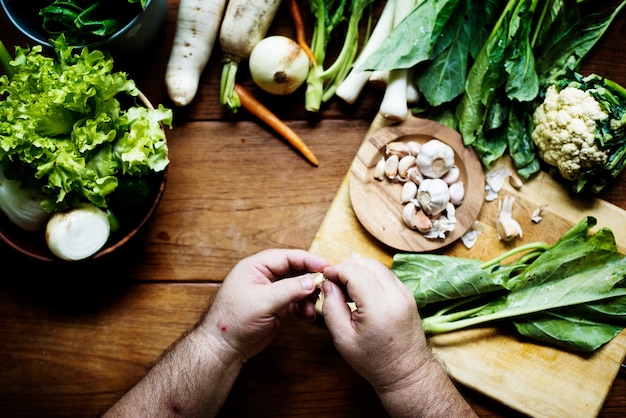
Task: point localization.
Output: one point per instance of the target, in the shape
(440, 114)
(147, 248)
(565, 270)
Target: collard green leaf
(571, 41)
(411, 41)
(567, 332)
(432, 278)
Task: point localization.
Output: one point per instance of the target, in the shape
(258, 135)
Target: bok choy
(571, 294)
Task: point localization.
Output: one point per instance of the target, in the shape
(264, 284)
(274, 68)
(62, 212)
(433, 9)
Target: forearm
(429, 392)
(192, 379)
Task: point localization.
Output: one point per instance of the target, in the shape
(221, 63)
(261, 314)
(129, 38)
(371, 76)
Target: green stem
(228, 96)
(532, 246)
(5, 60)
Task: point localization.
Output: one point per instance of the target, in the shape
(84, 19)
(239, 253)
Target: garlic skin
(435, 158)
(507, 227)
(433, 196)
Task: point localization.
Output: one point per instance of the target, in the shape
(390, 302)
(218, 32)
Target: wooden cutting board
(536, 380)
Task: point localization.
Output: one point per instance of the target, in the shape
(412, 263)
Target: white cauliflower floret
(564, 133)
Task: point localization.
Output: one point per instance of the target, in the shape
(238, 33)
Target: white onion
(278, 65)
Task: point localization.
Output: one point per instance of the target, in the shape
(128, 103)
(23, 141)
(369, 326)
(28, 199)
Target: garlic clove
(452, 175)
(379, 170)
(405, 163)
(414, 147)
(409, 192)
(391, 166)
(507, 228)
(457, 192)
(408, 215)
(397, 148)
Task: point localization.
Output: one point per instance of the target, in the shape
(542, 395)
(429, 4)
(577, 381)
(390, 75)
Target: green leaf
(569, 333)
(402, 49)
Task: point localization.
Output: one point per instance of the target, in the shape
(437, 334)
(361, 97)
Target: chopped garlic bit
(537, 215)
(507, 227)
(470, 237)
(494, 180)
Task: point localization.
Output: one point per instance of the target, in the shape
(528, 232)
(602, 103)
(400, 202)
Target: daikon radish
(245, 23)
(197, 27)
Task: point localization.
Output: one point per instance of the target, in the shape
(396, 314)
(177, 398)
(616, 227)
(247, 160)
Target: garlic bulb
(435, 158)
(433, 196)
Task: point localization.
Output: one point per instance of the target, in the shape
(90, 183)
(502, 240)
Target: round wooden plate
(377, 203)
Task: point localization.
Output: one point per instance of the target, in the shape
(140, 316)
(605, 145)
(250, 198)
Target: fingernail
(307, 283)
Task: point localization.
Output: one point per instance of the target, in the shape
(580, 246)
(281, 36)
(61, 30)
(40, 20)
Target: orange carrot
(252, 105)
(300, 32)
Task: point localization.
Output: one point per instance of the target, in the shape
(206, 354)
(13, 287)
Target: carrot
(300, 31)
(252, 105)
(197, 27)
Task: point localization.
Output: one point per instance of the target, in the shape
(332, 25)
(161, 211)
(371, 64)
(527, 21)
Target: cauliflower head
(565, 130)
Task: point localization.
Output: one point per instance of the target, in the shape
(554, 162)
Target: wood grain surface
(73, 339)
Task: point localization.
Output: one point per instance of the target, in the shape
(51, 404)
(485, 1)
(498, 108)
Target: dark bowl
(33, 244)
(131, 39)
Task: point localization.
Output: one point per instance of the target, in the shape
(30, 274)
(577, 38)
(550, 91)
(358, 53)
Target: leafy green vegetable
(86, 21)
(330, 15)
(571, 294)
(65, 131)
(489, 93)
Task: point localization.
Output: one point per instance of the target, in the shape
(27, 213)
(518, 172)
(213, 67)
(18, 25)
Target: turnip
(197, 27)
(244, 25)
(278, 65)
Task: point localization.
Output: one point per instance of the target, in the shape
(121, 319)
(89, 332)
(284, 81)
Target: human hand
(258, 294)
(382, 339)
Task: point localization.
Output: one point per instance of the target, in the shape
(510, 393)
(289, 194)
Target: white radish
(245, 23)
(278, 65)
(197, 27)
(77, 233)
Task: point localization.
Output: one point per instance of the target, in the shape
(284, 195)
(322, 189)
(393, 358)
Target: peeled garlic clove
(405, 164)
(408, 215)
(409, 191)
(457, 193)
(379, 170)
(397, 148)
(414, 147)
(391, 166)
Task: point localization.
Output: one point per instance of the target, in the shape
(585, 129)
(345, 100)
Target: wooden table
(74, 339)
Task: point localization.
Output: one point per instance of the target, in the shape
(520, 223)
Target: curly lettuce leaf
(65, 131)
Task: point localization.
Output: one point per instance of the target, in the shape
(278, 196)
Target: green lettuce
(70, 126)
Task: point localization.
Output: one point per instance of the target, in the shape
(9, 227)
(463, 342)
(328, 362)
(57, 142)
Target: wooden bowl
(377, 203)
(33, 244)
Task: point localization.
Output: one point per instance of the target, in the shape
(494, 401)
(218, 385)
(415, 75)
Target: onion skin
(278, 65)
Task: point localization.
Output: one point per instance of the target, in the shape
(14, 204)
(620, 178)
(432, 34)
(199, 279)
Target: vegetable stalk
(544, 293)
(323, 82)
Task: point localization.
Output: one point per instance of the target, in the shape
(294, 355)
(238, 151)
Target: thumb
(336, 312)
(283, 292)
